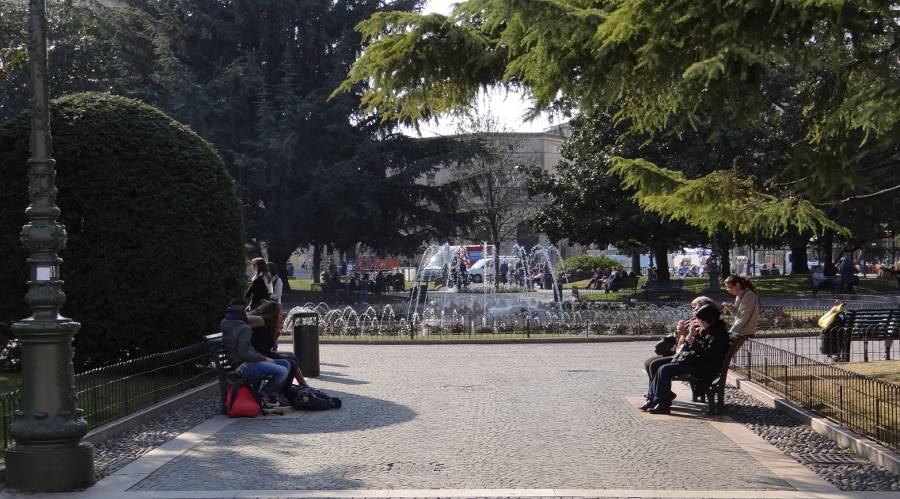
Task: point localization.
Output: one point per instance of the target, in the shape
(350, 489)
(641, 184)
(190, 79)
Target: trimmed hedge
(581, 267)
(155, 246)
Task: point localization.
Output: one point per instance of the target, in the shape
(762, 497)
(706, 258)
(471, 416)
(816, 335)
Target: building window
(430, 179)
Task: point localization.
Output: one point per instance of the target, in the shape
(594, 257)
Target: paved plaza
(473, 420)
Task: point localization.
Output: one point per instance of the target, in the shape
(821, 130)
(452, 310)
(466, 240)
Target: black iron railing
(110, 392)
(837, 347)
(866, 405)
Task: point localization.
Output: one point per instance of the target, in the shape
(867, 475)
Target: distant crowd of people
(356, 286)
(605, 277)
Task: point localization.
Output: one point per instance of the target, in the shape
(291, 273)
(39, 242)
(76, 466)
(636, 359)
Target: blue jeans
(278, 370)
(661, 384)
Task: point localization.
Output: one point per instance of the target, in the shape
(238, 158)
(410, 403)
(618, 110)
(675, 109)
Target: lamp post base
(52, 467)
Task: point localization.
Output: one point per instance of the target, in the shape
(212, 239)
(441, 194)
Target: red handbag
(241, 403)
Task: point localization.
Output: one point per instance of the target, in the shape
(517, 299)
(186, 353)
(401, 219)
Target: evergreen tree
(663, 63)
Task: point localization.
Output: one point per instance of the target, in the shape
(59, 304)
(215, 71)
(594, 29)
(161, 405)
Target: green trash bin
(306, 342)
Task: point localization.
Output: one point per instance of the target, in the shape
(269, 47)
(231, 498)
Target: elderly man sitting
(703, 357)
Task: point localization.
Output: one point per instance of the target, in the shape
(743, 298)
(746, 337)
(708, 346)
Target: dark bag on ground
(309, 399)
(665, 346)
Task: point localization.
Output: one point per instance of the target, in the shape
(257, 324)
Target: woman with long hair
(259, 286)
(265, 338)
(746, 306)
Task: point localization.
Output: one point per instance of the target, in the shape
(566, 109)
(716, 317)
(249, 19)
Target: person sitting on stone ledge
(702, 361)
(247, 362)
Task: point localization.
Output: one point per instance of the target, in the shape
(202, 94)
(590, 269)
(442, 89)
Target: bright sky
(507, 107)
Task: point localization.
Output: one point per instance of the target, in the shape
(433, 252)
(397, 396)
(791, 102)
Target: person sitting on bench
(265, 339)
(249, 364)
(673, 344)
(703, 360)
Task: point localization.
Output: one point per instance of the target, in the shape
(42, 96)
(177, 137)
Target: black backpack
(310, 399)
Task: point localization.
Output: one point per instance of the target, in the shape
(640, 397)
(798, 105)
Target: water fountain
(519, 306)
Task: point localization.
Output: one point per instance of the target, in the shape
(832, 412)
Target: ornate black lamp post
(48, 454)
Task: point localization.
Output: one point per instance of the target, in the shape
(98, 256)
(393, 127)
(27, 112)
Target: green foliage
(588, 205)
(253, 77)
(94, 48)
(664, 65)
(720, 198)
(155, 245)
(12, 58)
(581, 267)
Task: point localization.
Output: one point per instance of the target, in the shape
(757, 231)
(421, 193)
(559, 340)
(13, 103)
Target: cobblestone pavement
(471, 417)
(794, 438)
(125, 447)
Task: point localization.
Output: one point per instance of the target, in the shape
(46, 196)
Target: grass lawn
(860, 406)
(885, 370)
(10, 381)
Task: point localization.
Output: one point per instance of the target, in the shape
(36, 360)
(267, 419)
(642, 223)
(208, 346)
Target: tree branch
(862, 197)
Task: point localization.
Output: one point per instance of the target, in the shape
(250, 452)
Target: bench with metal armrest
(712, 391)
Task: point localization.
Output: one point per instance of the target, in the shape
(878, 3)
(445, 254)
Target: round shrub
(155, 246)
(581, 267)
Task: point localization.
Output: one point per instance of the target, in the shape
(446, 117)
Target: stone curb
(844, 437)
(105, 432)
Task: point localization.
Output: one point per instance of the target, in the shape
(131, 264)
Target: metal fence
(110, 392)
(812, 345)
(863, 404)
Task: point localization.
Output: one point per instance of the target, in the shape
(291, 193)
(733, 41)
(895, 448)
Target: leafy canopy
(663, 65)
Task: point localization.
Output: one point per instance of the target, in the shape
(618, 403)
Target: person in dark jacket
(703, 359)
(249, 363)
(259, 286)
(676, 341)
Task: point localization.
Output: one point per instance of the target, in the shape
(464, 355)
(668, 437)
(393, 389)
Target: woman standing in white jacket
(277, 285)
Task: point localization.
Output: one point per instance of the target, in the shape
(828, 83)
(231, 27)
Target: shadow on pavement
(357, 413)
(342, 379)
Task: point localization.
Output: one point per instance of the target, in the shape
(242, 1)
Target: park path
(472, 421)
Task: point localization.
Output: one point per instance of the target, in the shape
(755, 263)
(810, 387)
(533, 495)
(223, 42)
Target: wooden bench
(627, 283)
(863, 325)
(714, 393)
(673, 288)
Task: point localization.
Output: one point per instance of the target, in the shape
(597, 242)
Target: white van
(485, 266)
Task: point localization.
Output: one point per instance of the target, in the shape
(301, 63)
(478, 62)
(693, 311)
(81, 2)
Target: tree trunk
(827, 243)
(278, 254)
(799, 262)
(725, 261)
(636, 262)
(496, 263)
(723, 242)
(317, 263)
(662, 263)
